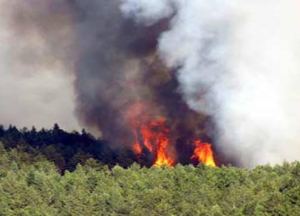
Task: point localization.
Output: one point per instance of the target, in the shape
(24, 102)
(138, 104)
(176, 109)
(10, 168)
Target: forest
(65, 149)
(53, 172)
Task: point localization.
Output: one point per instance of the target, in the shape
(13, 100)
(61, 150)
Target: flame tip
(152, 134)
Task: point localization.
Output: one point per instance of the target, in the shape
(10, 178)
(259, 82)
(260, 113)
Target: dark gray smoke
(118, 67)
(245, 56)
(118, 74)
(237, 61)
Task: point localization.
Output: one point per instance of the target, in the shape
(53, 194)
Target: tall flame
(163, 143)
(204, 153)
(151, 135)
(154, 136)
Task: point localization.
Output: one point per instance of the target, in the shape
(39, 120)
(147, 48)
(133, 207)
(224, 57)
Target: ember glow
(153, 138)
(203, 153)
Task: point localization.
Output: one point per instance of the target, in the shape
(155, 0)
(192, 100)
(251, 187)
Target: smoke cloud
(237, 61)
(221, 71)
(119, 77)
(111, 60)
(35, 63)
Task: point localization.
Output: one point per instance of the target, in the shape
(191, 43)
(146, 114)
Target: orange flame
(204, 153)
(151, 133)
(162, 158)
(154, 135)
(137, 148)
(163, 143)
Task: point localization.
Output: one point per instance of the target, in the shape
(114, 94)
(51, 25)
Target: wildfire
(204, 153)
(163, 143)
(137, 148)
(154, 136)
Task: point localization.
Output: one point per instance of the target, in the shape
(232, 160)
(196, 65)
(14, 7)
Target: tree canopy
(60, 174)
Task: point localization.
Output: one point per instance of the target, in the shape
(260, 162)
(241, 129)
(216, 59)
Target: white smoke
(241, 58)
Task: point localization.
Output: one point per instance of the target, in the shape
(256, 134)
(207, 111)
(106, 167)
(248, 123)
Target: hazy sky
(243, 54)
(35, 87)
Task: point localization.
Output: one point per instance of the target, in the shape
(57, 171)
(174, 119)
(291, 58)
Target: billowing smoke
(222, 71)
(120, 83)
(120, 80)
(239, 62)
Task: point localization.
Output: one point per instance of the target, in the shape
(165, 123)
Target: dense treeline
(52, 172)
(65, 149)
(32, 185)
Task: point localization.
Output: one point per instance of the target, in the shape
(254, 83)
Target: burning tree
(152, 136)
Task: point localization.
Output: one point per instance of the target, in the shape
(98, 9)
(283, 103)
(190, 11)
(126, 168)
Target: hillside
(31, 184)
(63, 148)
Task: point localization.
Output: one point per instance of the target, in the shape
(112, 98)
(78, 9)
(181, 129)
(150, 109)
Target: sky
(35, 87)
(241, 56)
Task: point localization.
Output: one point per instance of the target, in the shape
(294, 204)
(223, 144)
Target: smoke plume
(120, 80)
(237, 61)
(222, 71)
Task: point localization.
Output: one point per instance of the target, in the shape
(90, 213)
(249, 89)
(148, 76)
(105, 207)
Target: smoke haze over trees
(172, 93)
(202, 65)
(242, 57)
(65, 149)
